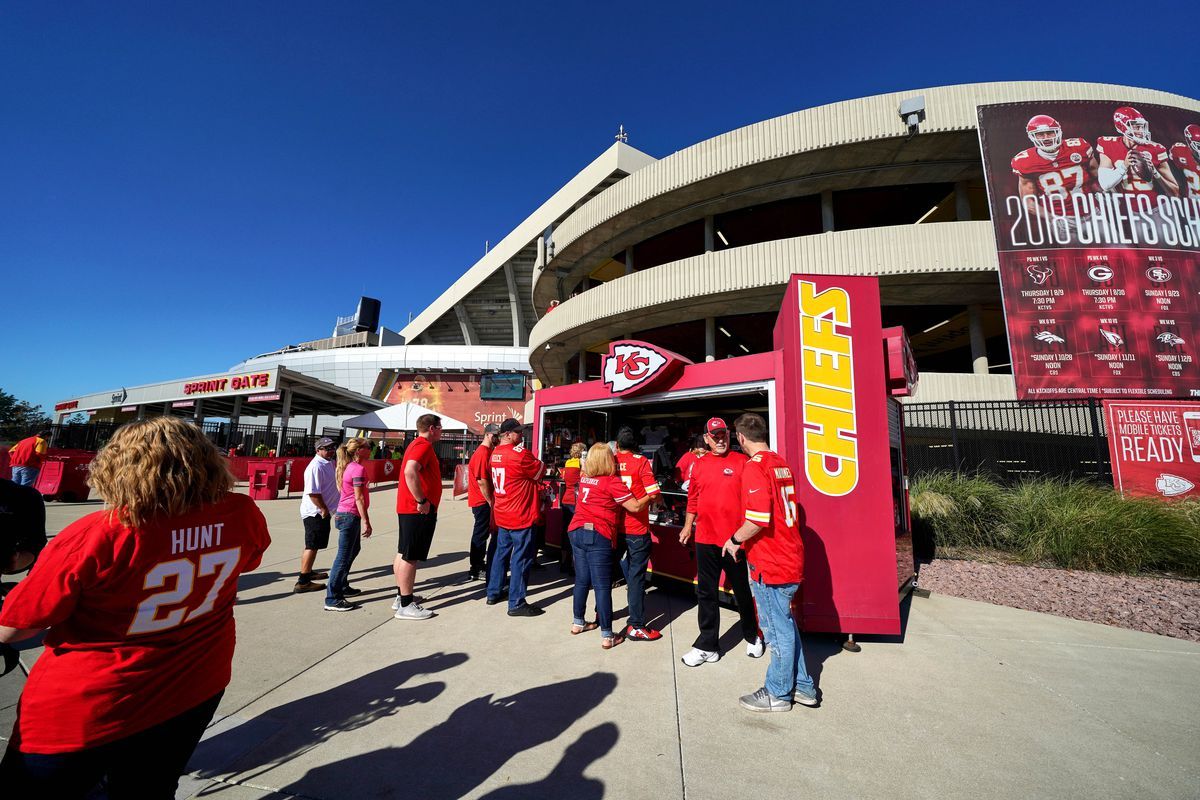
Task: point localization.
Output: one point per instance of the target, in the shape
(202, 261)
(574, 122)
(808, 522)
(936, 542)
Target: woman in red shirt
(571, 472)
(138, 599)
(599, 498)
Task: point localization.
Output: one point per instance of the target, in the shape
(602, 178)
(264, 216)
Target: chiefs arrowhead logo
(633, 367)
(388, 467)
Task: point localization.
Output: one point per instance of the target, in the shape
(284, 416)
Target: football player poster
(1096, 212)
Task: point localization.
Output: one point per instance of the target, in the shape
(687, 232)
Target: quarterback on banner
(1133, 162)
(1185, 156)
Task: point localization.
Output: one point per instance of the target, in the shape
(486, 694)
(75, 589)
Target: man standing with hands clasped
(714, 508)
(479, 500)
(516, 474)
(770, 536)
(417, 499)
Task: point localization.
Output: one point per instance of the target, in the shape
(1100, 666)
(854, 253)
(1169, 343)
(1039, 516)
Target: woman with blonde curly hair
(138, 599)
(351, 520)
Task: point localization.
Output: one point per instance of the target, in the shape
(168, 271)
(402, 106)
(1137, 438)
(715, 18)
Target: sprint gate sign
(1155, 447)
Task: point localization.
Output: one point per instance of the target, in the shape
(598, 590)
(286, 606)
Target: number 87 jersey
(776, 554)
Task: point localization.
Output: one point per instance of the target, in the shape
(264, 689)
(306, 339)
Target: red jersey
(478, 469)
(715, 496)
(1066, 173)
(683, 467)
(141, 622)
(599, 503)
(1182, 156)
(420, 451)
(634, 471)
(28, 452)
(516, 480)
(571, 473)
(1117, 151)
(776, 554)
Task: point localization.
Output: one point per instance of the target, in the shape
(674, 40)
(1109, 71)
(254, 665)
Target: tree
(19, 419)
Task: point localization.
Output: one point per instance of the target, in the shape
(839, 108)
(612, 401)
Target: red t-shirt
(599, 502)
(141, 622)
(715, 496)
(420, 451)
(776, 554)
(28, 452)
(516, 476)
(571, 474)
(634, 471)
(478, 470)
(683, 467)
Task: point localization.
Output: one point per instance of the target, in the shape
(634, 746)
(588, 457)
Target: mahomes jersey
(1067, 173)
(776, 554)
(635, 472)
(1182, 157)
(141, 622)
(1117, 151)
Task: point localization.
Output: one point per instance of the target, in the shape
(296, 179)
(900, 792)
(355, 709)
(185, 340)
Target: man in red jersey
(479, 500)
(417, 499)
(1053, 168)
(26, 456)
(1185, 156)
(516, 474)
(714, 510)
(1133, 162)
(770, 536)
(634, 471)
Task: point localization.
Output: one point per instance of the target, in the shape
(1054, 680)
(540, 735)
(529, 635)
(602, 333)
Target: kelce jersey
(1067, 173)
(634, 471)
(515, 476)
(141, 622)
(1182, 156)
(776, 554)
(1115, 148)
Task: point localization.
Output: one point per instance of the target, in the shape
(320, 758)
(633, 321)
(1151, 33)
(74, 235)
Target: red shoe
(641, 634)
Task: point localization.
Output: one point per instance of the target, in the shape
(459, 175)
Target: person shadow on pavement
(567, 781)
(455, 757)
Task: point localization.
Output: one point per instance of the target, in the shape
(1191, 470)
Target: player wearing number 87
(139, 602)
(1053, 169)
(770, 536)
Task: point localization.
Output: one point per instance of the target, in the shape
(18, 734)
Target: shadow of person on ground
(567, 781)
(451, 759)
(287, 731)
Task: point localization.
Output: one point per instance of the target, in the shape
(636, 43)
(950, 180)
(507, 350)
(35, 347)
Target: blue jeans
(786, 673)
(633, 567)
(517, 544)
(25, 476)
(349, 528)
(593, 570)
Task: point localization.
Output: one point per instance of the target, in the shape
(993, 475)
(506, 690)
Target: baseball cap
(509, 425)
(325, 441)
(715, 424)
(491, 427)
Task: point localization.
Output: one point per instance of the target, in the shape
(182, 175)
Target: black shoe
(341, 605)
(526, 610)
(349, 592)
(491, 601)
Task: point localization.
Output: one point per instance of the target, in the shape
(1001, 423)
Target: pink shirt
(355, 475)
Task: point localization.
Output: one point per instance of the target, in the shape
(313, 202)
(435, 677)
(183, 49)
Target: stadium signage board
(1154, 447)
(1096, 211)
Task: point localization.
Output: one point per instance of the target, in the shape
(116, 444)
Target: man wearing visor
(714, 510)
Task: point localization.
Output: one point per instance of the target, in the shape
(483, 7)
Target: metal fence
(1008, 440)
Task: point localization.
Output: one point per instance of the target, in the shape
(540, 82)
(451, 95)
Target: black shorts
(316, 532)
(416, 535)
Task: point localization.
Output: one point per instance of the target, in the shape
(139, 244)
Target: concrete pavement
(975, 701)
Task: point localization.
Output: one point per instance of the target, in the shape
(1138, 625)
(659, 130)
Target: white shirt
(320, 477)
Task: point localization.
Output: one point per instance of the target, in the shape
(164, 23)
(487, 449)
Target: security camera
(912, 113)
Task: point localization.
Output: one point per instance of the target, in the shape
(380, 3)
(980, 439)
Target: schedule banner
(1096, 212)
(1154, 447)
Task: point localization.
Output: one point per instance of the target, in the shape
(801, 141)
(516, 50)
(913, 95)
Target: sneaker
(307, 586)
(640, 633)
(491, 601)
(803, 699)
(761, 700)
(396, 603)
(413, 610)
(351, 592)
(756, 649)
(695, 657)
(525, 610)
(341, 605)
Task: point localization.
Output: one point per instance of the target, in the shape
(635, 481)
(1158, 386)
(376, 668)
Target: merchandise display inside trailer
(827, 391)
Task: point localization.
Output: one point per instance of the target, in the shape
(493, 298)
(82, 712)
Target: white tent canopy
(400, 417)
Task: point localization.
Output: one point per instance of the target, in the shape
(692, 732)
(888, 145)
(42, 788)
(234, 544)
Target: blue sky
(183, 185)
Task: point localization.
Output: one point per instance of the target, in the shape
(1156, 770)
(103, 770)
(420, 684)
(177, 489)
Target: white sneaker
(413, 610)
(695, 657)
(396, 603)
(757, 649)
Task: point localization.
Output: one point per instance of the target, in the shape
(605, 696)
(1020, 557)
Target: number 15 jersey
(776, 554)
(141, 621)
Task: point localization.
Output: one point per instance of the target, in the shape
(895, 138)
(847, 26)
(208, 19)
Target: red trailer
(827, 392)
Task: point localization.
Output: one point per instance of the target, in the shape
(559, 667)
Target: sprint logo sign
(827, 390)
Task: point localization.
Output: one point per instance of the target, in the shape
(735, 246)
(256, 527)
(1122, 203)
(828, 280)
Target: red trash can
(65, 477)
(265, 478)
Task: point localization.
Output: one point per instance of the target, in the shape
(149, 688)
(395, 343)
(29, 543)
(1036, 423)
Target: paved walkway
(976, 701)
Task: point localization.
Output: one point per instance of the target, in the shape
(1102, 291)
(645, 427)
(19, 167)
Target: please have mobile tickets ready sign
(1154, 447)
(1096, 212)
